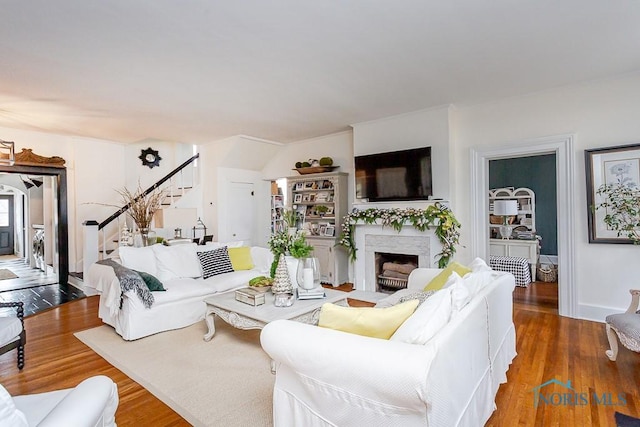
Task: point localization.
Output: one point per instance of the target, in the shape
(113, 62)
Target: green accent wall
(539, 174)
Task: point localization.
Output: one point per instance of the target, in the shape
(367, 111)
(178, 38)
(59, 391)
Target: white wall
(338, 146)
(425, 128)
(599, 114)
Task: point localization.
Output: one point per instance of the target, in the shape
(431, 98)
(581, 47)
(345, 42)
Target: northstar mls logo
(572, 398)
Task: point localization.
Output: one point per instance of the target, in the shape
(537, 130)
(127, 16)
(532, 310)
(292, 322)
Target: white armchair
(92, 403)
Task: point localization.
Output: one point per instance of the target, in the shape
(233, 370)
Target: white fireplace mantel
(372, 238)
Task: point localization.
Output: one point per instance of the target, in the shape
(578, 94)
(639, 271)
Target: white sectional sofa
(178, 268)
(326, 377)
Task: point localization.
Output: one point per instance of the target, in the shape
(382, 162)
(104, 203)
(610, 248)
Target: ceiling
(196, 71)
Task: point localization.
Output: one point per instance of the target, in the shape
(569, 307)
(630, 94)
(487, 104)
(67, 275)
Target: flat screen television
(395, 175)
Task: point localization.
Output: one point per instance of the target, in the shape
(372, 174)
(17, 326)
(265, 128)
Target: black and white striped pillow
(215, 262)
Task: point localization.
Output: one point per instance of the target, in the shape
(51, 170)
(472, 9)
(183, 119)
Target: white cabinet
(332, 260)
(529, 249)
(320, 201)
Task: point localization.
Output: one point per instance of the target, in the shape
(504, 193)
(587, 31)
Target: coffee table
(245, 316)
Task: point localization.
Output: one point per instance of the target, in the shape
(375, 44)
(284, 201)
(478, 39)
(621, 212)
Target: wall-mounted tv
(395, 175)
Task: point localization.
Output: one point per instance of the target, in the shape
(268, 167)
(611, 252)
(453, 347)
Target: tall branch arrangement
(622, 207)
(436, 216)
(142, 207)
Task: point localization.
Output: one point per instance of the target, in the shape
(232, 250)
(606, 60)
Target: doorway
(562, 147)
(7, 224)
(536, 222)
(240, 211)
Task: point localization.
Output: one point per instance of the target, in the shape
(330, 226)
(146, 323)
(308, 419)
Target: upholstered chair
(92, 403)
(626, 326)
(12, 333)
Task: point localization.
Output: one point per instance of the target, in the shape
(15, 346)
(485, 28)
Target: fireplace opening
(392, 271)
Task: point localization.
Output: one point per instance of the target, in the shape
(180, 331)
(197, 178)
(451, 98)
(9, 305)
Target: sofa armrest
(93, 402)
(321, 356)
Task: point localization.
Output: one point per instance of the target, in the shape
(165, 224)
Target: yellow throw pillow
(240, 258)
(368, 321)
(438, 282)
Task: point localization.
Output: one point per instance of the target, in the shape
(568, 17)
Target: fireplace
(420, 246)
(392, 270)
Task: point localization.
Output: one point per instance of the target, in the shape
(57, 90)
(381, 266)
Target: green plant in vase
(284, 243)
(322, 210)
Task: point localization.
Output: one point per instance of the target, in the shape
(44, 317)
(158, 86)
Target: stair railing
(92, 241)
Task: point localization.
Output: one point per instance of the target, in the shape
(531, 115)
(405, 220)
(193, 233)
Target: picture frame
(606, 166)
(298, 187)
(329, 210)
(297, 198)
(330, 230)
(309, 185)
(322, 229)
(305, 198)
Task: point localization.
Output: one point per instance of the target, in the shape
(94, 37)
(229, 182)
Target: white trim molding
(562, 147)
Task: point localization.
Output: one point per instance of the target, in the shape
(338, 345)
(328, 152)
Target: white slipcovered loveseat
(326, 377)
(180, 269)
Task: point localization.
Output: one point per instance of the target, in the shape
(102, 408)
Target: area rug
(7, 274)
(224, 382)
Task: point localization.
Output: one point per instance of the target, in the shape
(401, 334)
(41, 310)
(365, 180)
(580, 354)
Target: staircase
(102, 238)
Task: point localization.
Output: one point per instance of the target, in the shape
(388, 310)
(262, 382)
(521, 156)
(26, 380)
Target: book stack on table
(315, 293)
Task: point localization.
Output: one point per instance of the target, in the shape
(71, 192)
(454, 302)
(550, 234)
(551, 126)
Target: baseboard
(597, 313)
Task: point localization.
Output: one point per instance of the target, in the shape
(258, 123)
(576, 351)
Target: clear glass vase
(308, 274)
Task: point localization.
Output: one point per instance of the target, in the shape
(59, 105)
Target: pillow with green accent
(367, 321)
(439, 281)
(240, 258)
(151, 281)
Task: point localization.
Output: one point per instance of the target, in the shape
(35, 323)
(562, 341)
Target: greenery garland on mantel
(438, 216)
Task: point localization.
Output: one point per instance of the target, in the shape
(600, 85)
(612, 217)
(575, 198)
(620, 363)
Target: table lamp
(505, 209)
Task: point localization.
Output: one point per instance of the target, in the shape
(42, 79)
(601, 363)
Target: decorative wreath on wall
(447, 227)
(150, 157)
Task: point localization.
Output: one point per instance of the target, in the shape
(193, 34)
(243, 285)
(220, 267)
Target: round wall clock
(150, 157)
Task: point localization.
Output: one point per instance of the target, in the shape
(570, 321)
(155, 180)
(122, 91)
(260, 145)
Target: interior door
(240, 211)
(6, 224)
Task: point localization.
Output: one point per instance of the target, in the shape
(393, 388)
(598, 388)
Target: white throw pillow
(478, 265)
(428, 319)
(174, 262)
(140, 259)
(9, 414)
(460, 293)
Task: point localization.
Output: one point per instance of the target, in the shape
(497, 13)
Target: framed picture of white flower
(613, 183)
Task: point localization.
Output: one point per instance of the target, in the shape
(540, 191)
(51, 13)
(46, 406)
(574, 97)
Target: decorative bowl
(315, 169)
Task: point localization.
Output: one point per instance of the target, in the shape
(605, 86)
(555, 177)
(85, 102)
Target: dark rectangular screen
(396, 175)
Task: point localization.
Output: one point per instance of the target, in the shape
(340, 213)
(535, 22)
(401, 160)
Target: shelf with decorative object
(524, 215)
(320, 201)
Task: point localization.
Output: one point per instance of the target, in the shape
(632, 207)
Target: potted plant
(290, 218)
(293, 247)
(322, 210)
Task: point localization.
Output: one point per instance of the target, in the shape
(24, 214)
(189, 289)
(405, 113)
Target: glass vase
(308, 274)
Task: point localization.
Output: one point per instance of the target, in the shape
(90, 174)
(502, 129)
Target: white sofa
(326, 377)
(178, 268)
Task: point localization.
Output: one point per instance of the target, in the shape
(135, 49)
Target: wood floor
(549, 347)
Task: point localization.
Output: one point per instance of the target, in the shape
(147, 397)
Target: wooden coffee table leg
(209, 319)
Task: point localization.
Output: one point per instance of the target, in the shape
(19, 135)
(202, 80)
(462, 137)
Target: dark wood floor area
(549, 346)
(35, 288)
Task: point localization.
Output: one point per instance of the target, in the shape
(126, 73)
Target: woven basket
(549, 274)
